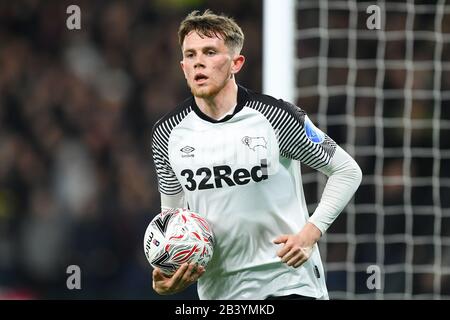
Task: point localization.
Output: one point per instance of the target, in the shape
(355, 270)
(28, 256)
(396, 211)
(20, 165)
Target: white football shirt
(242, 173)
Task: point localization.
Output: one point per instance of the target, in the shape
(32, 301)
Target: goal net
(384, 96)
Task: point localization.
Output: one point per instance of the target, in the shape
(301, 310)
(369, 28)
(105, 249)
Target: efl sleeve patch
(312, 132)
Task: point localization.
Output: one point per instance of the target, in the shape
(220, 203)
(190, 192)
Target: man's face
(207, 64)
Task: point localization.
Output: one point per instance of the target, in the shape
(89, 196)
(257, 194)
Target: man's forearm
(172, 201)
(344, 177)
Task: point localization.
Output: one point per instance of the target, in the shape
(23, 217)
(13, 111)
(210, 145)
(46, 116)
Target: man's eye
(210, 53)
(189, 55)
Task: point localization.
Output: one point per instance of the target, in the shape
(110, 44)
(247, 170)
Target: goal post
(278, 49)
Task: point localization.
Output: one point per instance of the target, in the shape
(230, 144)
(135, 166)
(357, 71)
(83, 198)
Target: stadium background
(77, 184)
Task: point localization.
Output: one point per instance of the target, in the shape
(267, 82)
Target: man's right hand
(186, 275)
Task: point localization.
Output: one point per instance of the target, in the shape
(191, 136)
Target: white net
(384, 95)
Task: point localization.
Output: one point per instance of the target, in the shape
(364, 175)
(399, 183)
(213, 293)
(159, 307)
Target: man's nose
(199, 63)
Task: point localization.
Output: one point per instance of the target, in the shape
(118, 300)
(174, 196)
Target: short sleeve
(167, 181)
(301, 140)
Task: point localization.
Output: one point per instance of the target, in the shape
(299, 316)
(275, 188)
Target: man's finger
(283, 251)
(288, 256)
(158, 274)
(177, 276)
(189, 272)
(295, 259)
(200, 270)
(299, 263)
(281, 239)
(197, 273)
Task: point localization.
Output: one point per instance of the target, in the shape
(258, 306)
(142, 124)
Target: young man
(234, 156)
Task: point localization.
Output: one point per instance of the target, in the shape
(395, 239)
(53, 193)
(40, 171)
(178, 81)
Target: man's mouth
(200, 78)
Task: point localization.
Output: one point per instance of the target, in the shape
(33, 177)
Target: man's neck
(218, 106)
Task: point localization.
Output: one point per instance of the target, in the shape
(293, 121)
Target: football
(176, 236)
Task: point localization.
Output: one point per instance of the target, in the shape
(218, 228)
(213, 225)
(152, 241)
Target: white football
(177, 236)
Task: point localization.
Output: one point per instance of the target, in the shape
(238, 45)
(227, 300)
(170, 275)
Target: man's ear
(238, 62)
(182, 67)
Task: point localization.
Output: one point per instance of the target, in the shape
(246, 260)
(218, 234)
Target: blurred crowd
(77, 184)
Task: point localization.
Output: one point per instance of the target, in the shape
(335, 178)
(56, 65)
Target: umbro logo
(187, 151)
(253, 142)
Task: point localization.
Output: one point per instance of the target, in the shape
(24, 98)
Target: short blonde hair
(209, 24)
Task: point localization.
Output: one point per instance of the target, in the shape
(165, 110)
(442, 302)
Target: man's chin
(203, 92)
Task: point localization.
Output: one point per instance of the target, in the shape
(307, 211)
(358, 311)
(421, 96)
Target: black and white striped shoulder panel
(288, 121)
(167, 180)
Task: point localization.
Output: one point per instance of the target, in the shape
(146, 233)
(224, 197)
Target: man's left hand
(298, 247)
